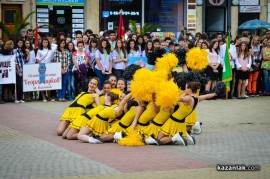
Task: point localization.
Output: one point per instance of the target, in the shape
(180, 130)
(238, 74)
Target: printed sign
(77, 20)
(250, 9)
(43, 76)
(249, 2)
(7, 69)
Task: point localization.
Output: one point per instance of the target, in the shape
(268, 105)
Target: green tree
(147, 27)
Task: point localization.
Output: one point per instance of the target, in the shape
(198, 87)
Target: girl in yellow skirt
(151, 131)
(144, 120)
(174, 129)
(75, 126)
(78, 106)
(118, 130)
(99, 123)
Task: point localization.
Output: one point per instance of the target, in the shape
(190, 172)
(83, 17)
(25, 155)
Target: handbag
(255, 68)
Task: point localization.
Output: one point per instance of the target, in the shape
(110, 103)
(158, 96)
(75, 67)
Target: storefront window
(110, 9)
(168, 13)
(60, 16)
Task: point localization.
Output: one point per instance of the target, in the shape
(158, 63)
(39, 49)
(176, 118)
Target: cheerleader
(99, 123)
(174, 129)
(118, 130)
(151, 131)
(112, 78)
(121, 84)
(78, 106)
(75, 126)
(243, 64)
(144, 119)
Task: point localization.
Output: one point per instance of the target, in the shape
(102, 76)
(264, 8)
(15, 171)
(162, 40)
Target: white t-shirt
(45, 55)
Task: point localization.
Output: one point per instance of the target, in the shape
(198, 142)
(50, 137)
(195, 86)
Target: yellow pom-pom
(167, 62)
(171, 59)
(167, 94)
(197, 59)
(116, 91)
(142, 87)
(133, 139)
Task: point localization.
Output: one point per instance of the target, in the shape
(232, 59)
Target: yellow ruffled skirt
(171, 128)
(97, 126)
(191, 119)
(71, 113)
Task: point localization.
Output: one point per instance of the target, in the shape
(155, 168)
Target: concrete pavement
(234, 132)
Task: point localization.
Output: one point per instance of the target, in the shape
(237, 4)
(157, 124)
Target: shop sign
(60, 2)
(250, 9)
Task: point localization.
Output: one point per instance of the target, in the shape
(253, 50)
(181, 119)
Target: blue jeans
(266, 74)
(101, 77)
(71, 87)
(62, 92)
(118, 73)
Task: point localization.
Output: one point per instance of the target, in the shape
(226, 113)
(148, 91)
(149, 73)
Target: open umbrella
(254, 24)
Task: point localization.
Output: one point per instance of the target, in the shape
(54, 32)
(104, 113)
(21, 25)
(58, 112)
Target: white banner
(7, 69)
(43, 76)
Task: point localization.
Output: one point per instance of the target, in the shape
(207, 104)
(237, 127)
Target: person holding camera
(256, 56)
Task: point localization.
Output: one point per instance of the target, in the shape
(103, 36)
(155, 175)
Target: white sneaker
(151, 140)
(178, 138)
(191, 139)
(44, 100)
(16, 101)
(22, 101)
(94, 140)
(197, 128)
(117, 136)
(52, 100)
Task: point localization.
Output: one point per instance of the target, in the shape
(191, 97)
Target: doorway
(8, 12)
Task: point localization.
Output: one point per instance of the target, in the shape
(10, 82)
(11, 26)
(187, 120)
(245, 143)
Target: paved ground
(234, 132)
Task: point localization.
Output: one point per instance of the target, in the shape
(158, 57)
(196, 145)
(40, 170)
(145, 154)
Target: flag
(121, 29)
(227, 69)
(36, 37)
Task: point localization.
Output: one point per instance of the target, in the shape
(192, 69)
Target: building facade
(209, 16)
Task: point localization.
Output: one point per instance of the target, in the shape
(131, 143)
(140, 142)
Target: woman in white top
(103, 58)
(141, 45)
(132, 49)
(29, 50)
(44, 55)
(212, 69)
(119, 59)
(243, 64)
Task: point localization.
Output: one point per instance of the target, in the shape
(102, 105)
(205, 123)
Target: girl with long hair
(119, 58)
(243, 64)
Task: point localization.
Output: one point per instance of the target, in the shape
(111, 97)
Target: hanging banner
(42, 76)
(7, 69)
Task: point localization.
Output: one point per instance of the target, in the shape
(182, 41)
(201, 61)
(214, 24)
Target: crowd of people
(90, 55)
(106, 106)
